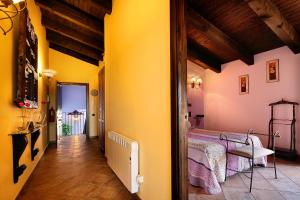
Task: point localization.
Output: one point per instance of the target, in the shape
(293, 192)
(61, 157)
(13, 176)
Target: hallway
(73, 170)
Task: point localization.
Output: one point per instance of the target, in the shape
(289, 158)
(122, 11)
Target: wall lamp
(196, 83)
(48, 73)
(9, 14)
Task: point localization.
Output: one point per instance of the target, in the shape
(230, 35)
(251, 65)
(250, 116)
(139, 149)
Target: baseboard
(93, 137)
(136, 197)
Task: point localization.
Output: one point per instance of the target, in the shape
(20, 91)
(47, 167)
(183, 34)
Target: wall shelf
(20, 142)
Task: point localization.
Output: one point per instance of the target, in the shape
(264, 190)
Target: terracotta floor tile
(237, 194)
(266, 195)
(284, 184)
(197, 194)
(258, 182)
(290, 195)
(234, 181)
(75, 169)
(269, 173)
(265, 186)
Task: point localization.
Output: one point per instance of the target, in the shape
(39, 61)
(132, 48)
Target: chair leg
(249, 161)
(252, 166)
(274, 162)
(226, 167)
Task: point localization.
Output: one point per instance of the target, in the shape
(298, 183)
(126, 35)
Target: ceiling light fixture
(8, 13)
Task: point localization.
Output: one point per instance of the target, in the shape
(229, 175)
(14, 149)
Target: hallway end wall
(70, 69)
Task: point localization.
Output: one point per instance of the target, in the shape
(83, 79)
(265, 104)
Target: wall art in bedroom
(272, 70)
(244, 84)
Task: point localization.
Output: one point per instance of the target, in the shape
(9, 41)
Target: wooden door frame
(87, 104)
(102, 70)
(179, 111)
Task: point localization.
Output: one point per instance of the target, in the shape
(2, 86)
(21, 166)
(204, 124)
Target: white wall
(225, 109)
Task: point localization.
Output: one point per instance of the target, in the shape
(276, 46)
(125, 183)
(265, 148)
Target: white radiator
(122, 157)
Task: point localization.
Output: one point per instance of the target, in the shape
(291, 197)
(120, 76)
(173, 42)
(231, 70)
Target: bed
(207, 158)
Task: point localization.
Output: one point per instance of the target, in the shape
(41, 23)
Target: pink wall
(225, 109)
(195, 95)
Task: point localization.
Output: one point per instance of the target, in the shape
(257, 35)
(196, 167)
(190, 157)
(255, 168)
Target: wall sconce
(196, 83)
(8, 13)
(48, 73)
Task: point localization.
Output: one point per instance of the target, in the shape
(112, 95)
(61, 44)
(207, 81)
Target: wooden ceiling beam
(72, 14)
(202, 57)
(217, 36)
(73, 45)
(74, 54)
(104, 4)
(78, 35)
(272, 17)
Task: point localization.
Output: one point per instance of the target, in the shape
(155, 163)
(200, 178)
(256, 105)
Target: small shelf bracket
(20, 142)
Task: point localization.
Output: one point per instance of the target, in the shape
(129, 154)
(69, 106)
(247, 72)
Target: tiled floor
(265, 187)
(73, 170)
(76, 170)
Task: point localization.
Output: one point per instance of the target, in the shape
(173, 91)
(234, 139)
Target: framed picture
(244, 84)
(273, 71)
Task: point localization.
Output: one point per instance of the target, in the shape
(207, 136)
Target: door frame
(103, 109)
(87, 92)
(179, 112)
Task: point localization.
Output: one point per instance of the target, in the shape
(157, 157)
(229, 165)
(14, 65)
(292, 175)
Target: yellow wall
(70, 69)
(137, 61)
(9, 113)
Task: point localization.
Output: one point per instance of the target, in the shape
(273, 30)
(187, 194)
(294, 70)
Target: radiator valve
(139, 179)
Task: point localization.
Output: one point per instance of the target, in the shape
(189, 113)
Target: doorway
(72, 109)
(179, 104)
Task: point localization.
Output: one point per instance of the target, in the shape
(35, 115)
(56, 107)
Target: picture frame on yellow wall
(272, 71)
(244, 84)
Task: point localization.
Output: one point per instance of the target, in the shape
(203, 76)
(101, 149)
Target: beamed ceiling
(221, 31)
(218, 31)
(76, 27)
